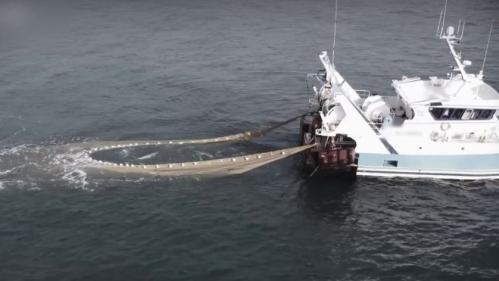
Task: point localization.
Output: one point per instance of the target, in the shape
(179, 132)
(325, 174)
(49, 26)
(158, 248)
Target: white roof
(452, 92)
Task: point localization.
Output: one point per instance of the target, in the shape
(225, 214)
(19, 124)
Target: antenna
(439, 22)
(443, 19)
(462, 31)
(334, 32)
(487, 48)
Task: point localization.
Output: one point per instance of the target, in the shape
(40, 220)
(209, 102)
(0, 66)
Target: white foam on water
(18, 184)
(148, 156)
(124, 152)
(72, 163)
(77, 177)
(201, 154)
(6, 172)
(16, 149)
(12, 161)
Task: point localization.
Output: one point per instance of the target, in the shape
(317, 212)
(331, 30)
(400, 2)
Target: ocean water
(175, 69)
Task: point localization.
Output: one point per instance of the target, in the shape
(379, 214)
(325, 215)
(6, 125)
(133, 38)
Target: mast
(452, 39)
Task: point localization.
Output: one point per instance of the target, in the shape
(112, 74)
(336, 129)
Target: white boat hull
(460, 167)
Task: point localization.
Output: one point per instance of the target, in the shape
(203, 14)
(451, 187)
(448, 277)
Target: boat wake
(29, 166)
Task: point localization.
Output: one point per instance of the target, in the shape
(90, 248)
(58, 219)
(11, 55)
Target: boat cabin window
(442, 113)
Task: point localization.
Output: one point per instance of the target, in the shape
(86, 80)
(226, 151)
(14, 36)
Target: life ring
(493, 134)
(388, 120)
(434, 136)
(445, 126)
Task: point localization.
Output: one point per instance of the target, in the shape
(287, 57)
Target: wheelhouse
(448, 113)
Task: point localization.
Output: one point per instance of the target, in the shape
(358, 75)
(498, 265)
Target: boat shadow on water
(336, 198)
(328, 198)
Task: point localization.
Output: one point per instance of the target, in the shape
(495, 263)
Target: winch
(331, 155)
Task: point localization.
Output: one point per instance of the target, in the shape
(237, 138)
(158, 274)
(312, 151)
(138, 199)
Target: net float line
(95, 146)
(215, 167)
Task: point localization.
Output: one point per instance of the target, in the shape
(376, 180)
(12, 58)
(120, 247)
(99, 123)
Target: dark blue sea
(81, 70)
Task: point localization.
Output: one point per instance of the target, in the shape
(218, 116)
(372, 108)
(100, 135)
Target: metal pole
(334, 34)
(487, 48)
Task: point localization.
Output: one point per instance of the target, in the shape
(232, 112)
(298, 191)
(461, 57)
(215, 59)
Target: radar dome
(450, 30)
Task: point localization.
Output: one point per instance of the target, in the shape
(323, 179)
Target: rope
(108, 145)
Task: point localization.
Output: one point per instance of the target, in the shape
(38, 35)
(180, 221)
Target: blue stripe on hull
(431, 164)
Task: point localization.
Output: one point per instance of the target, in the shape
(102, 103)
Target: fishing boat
(438, 127)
